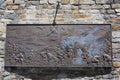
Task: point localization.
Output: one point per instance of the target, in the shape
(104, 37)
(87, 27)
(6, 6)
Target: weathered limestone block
(2, 12)
(22, 6)
(1, 2)
(114, 19)
(11, 16)
(115, 5)
(116, 37)
(2, 45)
(103, 11)
(21, 11)
(111, 11)
(106, 6)
(43, 1)
(87, 2)
(1, 64)
(89, 11)
(65, 1)
(110, 16)
(116, 34)
(104, 1)
(3, 5)
(19, 1)
(117, 10)
(75, 8)
(6, 20)
(66, 7)
(75, 2)
(27, 79)
(118, 14)
(74, 16)
(115, 27)
(2, 29)
(49, 6)
(116, 40)
(37, 2)
(12, 7)
(52, 1)
(85, 15)
(117, 1)
(85, 7)
(9, 1)
(116, 45)
(116, 64)
(97, 7)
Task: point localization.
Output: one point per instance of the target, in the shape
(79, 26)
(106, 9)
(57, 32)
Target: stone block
(117, 1)
(118, 14)
(50, 6)
(61, 21)
(104, 1)
(87, 2)
(9, 11)
(103, 11)
(116, 45)
(116, 34)
(85, 15)
(111, 11)
(75, 2)
(22, 6)
(9, 1)
(2, 12)
(12, 16)
(75, 16)
(1, 1)
(59, 16)
(52, 1)
(66, 7)
(27, 79)
(115, 27)
(65, 1)
(12, 7)
(75, 8)
(116, 64)
(85, 7)
(114, 19)
(89, 11)
(97, 7)
(106, 6)
(1, 64)
(2, 29)
(117, 10)
(3, 5)
(19, 1)
(1, 24)
(115, 5)
(6, 20)
(35, 2)
(20, 11)
(43, 1)
(22, 17)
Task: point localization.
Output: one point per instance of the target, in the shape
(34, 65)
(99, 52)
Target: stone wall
(70, 12)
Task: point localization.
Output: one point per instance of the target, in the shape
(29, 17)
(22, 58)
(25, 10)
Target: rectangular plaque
(58, 46)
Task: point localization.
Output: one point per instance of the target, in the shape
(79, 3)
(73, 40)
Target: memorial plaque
(58, 46)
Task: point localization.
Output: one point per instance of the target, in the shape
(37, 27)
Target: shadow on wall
(58, 73)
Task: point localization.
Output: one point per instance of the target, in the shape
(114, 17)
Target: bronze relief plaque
(58, 46)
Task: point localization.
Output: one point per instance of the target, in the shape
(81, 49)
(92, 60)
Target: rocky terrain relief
(59, 46)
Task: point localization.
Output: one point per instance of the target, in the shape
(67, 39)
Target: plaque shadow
(58, 73)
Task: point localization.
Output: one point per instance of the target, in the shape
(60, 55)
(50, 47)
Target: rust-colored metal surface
(58, 46)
